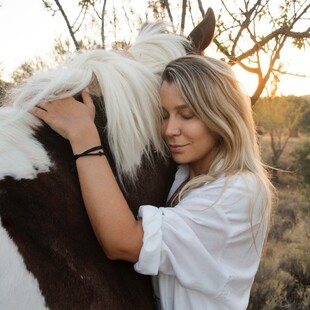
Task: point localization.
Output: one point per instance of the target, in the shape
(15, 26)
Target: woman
(204, 251)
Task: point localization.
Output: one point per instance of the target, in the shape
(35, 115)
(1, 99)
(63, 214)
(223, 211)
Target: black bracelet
(87, 153)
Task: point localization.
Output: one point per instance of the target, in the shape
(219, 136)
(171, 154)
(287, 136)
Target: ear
(202, 35)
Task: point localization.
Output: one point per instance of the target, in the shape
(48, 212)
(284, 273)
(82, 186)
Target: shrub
(302, 162)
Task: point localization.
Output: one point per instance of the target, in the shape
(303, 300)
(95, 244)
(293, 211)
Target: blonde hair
(209, 87)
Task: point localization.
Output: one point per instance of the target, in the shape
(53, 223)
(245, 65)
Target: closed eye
(187, 116)
(185, 112)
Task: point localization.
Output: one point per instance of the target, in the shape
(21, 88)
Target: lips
(177, 148)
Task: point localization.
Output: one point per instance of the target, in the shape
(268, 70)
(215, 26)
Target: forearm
(117, 230)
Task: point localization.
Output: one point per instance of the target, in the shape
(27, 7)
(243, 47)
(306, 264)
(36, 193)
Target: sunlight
(248, 80)
(296, 82)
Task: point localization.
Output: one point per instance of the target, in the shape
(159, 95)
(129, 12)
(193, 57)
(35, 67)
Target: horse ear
(202, 35)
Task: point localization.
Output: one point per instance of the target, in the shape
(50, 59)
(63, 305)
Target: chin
(179, 160)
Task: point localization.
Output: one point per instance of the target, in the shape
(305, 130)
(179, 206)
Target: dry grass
(283, 279)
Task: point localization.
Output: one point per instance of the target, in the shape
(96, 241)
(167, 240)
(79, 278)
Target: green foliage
(280, 113)
(280, 117)
(2, 92)
(305, 121)
(269, 114)
(86, 2)
(299, 43)
(301, 157)
(27, 69)
(302, 162)
(3, 89)
(23, 72)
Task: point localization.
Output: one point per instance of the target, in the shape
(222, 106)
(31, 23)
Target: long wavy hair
(128, 81)
(209, 87)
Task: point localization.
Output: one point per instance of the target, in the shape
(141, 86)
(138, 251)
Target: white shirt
(201, 252)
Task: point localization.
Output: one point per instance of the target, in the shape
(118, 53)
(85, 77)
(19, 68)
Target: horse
(49, 255)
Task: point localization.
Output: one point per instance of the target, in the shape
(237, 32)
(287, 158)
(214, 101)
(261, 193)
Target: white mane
(129, 86)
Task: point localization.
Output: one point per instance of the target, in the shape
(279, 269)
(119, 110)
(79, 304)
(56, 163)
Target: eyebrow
(179, 107)
(182, 106)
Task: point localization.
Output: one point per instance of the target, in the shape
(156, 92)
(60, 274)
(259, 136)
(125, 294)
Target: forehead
(170, 97)
(167, 88)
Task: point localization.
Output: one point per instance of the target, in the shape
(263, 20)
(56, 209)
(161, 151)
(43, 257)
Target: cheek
(211, 140)
(202, 133)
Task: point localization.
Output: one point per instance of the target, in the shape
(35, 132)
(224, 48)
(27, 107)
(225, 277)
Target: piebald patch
(18, 288)
(21, 155)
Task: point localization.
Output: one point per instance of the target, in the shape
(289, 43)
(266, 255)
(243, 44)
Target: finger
(42, 106)
(38, 112)
(87, 99)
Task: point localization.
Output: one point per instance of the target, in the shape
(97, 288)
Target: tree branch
(167, 6)
(102, 24)
(183, 16)
(77, 46)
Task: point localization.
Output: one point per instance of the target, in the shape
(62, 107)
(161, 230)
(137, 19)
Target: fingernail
(87, 89)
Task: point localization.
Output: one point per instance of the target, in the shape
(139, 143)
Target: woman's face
(188, 138)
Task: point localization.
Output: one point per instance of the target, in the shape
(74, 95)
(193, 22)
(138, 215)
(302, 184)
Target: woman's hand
(70, 118)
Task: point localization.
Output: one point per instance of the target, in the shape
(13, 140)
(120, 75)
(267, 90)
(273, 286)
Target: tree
(305, 121)
(298, 111)
(2, 90)
(4, 86)
(243, 39)
(241, 29)
(27, 69)
(278, 116)
(96, 13)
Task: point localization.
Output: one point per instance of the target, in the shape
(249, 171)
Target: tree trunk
(294, 132)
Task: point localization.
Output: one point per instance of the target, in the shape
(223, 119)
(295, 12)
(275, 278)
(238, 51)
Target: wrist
(85, 138)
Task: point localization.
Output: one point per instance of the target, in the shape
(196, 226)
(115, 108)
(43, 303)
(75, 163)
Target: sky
(28, 30)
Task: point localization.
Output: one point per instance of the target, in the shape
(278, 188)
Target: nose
(170, 127)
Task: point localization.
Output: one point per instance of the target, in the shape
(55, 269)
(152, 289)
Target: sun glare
(295, 82)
